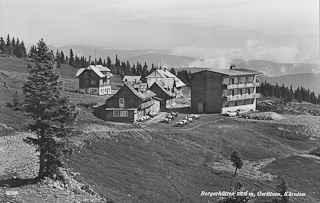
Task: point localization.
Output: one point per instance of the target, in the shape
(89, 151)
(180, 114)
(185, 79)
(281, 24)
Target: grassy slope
(172, 167)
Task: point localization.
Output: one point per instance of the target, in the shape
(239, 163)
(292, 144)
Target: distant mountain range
(295, 74)
(271, 69)
(161, 59)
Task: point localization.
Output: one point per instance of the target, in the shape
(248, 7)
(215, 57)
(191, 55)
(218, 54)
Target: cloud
(316, 70)
(216, 63)
(283, 70)
(252, 50)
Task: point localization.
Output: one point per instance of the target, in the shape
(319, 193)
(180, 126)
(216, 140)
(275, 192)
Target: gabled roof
(170, 94)
(131, 78)
(145, 95)
(233, 72)
(97, 69)
(103, 68)
(164, 73)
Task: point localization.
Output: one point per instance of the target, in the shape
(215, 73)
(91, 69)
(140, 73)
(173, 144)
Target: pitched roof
(142, 95)
(97, 69)
(164, 73)
(170, 94)
(103, 68)
(131, 78)
(234, 71)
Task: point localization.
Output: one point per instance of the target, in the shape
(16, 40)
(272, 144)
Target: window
(120, 113)
(121, 102)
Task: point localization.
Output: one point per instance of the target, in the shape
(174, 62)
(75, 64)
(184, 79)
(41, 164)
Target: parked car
(230, 113)
(239, 112)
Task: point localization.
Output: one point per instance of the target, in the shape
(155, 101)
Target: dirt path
(194, 127)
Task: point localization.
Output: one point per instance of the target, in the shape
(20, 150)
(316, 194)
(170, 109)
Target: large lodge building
(219, 91)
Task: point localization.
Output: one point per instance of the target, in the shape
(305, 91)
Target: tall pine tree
(51, 112)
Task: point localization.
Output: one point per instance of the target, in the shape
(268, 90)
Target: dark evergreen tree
(152, 68)
(71, 58)
(128, 68)
(144, 73)
(139, 68)
(117, 66)
(23, 50)
(236, 161)
(9, 46)
(109, 62)
(32, 52)
(3, 48)
(133, 70)
(173, 71)
(298, 95)
(99, 62)
(51, 112)
(62, 58)
(13, 45)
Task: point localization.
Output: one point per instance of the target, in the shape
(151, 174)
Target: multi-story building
(95, 80)
(219, 91)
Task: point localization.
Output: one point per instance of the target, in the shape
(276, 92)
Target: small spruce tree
(236, 161)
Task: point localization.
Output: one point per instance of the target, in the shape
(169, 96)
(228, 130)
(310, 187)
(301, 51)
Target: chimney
(232, 66)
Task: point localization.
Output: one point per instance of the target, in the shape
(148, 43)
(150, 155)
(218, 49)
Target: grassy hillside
(169, 164)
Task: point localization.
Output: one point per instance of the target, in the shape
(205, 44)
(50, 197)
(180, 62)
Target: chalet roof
(142, 87)
(97, 69)
(131, 78)
(158, 83)
(142, 95)
(102, 68)
(164, 73)
(233, 72)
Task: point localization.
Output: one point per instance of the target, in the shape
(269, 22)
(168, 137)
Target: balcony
(242, 85)
(146, 104)
(241, 97)
(104, 85)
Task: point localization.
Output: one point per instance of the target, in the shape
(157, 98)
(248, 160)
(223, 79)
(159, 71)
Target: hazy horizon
(284, 31)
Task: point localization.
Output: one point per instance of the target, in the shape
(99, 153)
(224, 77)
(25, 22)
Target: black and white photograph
(159, 101)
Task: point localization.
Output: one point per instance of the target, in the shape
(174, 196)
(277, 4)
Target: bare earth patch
(251, 169)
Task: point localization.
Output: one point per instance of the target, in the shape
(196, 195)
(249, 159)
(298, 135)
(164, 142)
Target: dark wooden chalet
(168, 99)
(127, 105)
(94, 80)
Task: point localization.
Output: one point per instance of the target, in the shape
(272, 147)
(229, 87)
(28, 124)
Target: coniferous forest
(12, 47)
(286, 94)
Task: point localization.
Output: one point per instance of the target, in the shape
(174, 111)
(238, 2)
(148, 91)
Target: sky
(215, 31)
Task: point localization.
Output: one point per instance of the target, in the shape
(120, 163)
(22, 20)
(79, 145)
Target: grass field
(157, 162)
(173, 164)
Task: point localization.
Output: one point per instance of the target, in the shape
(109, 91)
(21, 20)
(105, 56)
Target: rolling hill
(86, 51)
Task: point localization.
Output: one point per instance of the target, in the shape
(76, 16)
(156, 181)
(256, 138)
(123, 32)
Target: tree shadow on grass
(17, 182)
